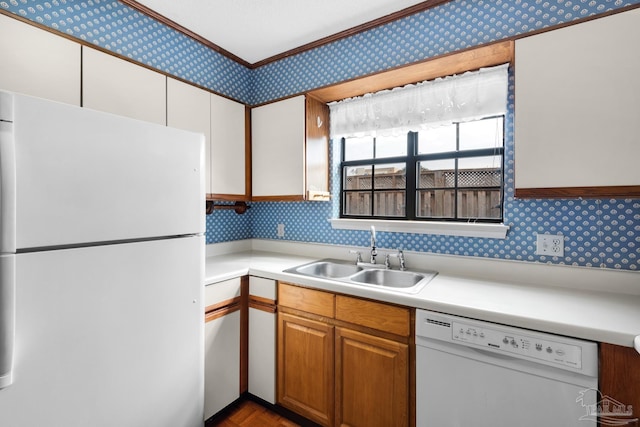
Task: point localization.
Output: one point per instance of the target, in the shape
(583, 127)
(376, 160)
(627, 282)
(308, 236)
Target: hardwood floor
(249, 413)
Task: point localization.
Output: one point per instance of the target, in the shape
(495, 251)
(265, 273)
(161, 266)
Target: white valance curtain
(469, 96)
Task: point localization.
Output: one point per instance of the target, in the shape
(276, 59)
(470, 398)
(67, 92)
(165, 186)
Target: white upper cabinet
(228, 150)
(280, 133)
(38, 63)
(222, 121)
(277, 149)
(577, 106)
(188, 108)
(120, 87)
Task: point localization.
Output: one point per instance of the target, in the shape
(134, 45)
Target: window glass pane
(438, 140)
(485, 133)
(435, 203)
(437, 174)
(392, 175)
(389, 203)
(357, 203)
(357, 177)
(479, 203)
(453, 187)
(391, 146)
(358, 148)
(480, 172)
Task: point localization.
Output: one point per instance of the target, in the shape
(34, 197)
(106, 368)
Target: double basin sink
(341, 271)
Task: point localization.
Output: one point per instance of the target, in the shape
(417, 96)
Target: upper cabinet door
(290, 150)
(188, 108)
(120, 87)
(228, 150)
(577, 109)
(277, 150)
(38, 63)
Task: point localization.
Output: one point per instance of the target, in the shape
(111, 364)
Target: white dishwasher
(471, 373)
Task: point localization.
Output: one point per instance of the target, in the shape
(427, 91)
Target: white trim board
(466, 229)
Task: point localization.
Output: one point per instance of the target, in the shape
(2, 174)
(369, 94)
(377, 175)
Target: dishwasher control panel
(562, 352)
(516, 342)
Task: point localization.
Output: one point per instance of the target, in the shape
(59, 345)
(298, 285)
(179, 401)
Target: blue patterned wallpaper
(452, 26)
(226, 225)
(597, 232)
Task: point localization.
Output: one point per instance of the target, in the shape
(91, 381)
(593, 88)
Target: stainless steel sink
(342, 271)
(328, 269)
(390, 278)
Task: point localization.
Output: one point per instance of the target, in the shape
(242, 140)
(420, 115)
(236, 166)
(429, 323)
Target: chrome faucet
(400, 256)
(373, 245)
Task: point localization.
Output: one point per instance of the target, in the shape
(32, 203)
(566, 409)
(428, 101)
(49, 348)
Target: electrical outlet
(550, 244)
(280, 230)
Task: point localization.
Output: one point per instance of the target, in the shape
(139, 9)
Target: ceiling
(254, 30)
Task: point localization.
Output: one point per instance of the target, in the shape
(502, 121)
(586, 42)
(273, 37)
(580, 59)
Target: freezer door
(109, 336)
(86, 176)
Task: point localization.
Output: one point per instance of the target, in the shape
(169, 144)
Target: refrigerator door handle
(7, 317)
(7, 188)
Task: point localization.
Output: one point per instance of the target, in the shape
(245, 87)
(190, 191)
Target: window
(433, 151)
(452, 172)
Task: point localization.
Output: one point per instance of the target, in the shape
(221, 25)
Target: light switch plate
(550, 244)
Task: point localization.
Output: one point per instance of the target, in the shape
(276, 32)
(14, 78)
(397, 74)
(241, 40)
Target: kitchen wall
(598, 232)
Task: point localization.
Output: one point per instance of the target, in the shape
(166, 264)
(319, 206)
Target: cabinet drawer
(219, 294)
(309, 300)
(384, 317)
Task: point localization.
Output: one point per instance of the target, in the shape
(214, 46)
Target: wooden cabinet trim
(247, 154)
(620, 375)
(262, 304)
(620, 191)
(222, 304)
(316, 149)
(446, 65)
(228, 197)
(223, 311)
(283, 198)
(244, 334)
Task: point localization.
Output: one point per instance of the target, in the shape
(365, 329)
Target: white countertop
(595, 315)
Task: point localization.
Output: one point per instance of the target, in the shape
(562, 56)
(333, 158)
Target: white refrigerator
(101, 269)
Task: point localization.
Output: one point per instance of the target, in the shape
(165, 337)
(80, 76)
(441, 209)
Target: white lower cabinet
(222, 346)
(262, 338)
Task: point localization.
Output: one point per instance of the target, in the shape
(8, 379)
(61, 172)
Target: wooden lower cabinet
(372, 387)
(345, 361)
(305, 367)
